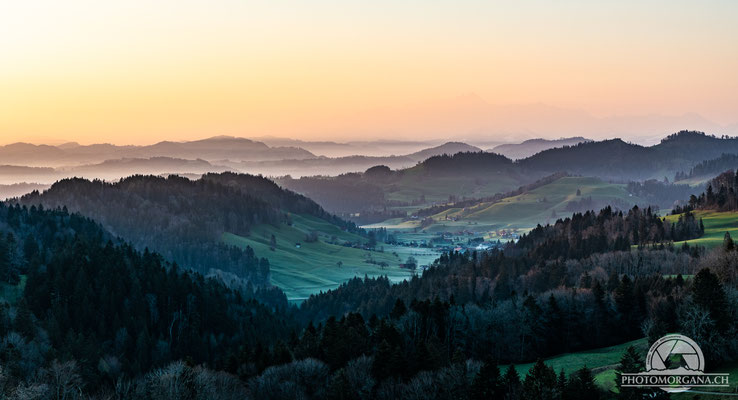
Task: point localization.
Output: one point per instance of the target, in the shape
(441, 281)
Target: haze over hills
(471, 175)
(334, 166)
(375, 148)
(530, 147)
(46, 164)
(215, 148)
(110, 170)
(447, 148)
(19, 189)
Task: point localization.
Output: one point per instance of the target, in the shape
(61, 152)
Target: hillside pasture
(716, 224)
(301, 267)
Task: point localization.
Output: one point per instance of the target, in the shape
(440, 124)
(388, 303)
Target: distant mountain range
(338, 165)
(19, 189)
(109, 170)
(374, 148)
(609, 159)
(212, 149)
(517, 151)
(447, 148)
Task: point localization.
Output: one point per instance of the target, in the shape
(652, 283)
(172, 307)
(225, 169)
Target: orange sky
(136, 72)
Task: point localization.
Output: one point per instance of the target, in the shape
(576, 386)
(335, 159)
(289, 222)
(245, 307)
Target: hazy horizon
(647, 129)
(140, 73)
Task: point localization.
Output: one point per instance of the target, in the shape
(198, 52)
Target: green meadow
(716, 224)
(415, 184)
(603, 362)
(538, 206)
(323, 264)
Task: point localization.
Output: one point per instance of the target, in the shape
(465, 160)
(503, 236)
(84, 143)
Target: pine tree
(630, 363)
(554, 321)
(339, 387)
(281, 354)
(24, 321)
(272, 243)
(398, 310)
(626, 306)
(488, 384)
(728, 244)
(511, 383)
(540, 383)
(384, 359)
(710, 195)
(582, 386)
(562, 384)
(709, 294)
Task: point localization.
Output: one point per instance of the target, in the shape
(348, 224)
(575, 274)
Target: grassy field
(602, 362)
(314, 267)
(538, 206)
(716, 224)
(414, 184)
(11, 293)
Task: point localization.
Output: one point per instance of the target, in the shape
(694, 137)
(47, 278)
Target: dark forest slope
(184, 219)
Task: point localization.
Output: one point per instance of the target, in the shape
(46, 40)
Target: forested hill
(708, 168)
(185, 219)
(435, 179)
(578, 284)
(547, 258)
(116, 311)
(617, 159)
(262, 188)
(584, 234)
(721, 194)
(610, 158)
(466, 163)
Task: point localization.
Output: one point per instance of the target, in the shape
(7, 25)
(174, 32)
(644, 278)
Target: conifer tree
(540, 383)
(728, 244)
(709, 294)
(631, 363)
(487, 384)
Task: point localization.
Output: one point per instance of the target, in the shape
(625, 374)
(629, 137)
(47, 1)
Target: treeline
(721, 195)
(584, 234)
(112, 311)
(469, 163)
(709, 167)
(266, 190)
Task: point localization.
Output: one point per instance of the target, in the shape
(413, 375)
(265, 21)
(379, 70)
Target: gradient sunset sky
(143, 71)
